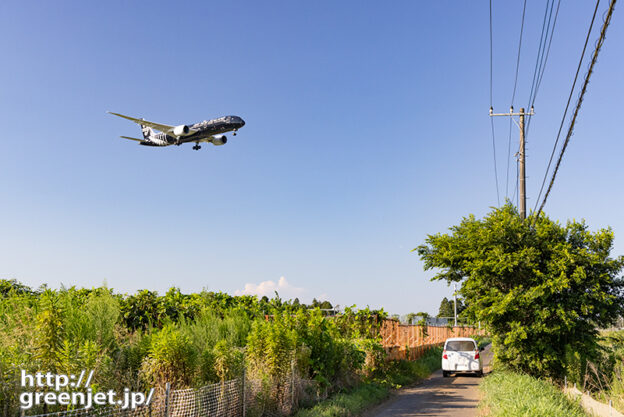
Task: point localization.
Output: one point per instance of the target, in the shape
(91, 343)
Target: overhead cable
(579, 102)
(513, 96)
(491, 119)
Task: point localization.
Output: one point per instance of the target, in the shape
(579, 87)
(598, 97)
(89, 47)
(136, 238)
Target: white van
(461, 354)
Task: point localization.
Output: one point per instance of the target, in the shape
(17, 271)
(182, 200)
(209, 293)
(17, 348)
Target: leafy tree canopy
(541, 289)
(446, 308)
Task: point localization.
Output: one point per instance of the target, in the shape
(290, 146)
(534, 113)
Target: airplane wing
(127, 137)
(158, 126)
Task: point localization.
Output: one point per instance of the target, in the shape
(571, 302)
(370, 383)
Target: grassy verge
(510, 394)
(370, 393)
(349, 403)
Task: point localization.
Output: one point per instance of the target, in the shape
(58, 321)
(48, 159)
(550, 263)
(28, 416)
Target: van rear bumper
(473, 366)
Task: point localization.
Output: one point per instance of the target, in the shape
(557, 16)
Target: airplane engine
(219, 140)
(181, 130)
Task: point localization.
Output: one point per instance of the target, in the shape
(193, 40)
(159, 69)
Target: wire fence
(240, 397)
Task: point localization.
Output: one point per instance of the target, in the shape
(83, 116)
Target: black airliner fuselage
(206, 131)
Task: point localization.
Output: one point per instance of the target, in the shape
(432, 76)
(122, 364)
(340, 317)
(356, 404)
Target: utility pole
(521, 156)
(521, 168)
(455, 298)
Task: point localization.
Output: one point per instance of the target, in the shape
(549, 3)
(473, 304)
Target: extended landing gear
(234, 132)
(196, 147)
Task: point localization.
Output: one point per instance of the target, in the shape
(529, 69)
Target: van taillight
(476, 355)
(444, 355)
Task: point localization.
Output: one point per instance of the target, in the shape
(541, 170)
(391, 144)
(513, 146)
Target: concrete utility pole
(521, 180)
(521, 156)
(455, 297)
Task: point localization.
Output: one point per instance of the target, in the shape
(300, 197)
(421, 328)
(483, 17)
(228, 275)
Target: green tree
(446, 308)
(7, 286)
(541, 289)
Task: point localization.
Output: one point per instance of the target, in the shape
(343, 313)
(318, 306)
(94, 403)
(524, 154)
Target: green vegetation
(373, 391)
(512, 394)
(542, 289)
(602, 375)
(189, 340)
(403, 373)
(482, 341)
(447, 308)
(348, 404)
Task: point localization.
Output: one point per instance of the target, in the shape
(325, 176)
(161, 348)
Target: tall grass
(208, 328)
(189, 340)
(507, 393)
(601, 373)
(348, 404)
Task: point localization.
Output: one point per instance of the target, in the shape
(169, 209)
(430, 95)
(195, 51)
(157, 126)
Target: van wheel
(480, 374)
(445, 374)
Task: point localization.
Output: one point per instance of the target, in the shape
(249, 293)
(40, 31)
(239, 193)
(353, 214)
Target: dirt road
(456, 396)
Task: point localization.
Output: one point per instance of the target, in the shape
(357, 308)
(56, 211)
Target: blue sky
(367, 129)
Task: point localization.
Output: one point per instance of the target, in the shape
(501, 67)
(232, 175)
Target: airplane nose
(241, 122)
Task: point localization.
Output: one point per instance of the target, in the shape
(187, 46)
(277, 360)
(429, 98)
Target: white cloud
(268, 288)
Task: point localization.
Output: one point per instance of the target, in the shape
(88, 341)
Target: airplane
(206, 131)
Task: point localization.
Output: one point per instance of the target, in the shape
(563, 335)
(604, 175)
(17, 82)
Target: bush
(375, 364)
(271, 347)
(228, 362)
(171, 358)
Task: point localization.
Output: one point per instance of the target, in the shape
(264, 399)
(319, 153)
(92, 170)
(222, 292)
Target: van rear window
(460, 345)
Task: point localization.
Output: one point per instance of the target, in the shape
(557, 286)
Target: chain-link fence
(241, 397)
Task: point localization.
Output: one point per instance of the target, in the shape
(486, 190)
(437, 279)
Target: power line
(540, 60)
(491, 100)
(579, 102)
(545, 60)
(513, 96)
(540, 51)
(542, 54)
(578, 69)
